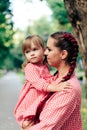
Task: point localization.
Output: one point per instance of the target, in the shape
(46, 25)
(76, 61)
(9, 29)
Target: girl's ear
(64, 54)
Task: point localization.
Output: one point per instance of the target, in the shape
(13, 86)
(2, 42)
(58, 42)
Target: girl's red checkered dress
(33, 92)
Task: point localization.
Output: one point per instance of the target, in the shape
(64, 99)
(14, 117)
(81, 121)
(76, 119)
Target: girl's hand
(58, 87)
(63, 85)
(26, 124)
(25, 128)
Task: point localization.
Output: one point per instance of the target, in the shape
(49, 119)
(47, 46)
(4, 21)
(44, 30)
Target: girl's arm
(34, 78)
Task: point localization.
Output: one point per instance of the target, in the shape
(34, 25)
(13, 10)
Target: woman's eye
(49, 49)
(35, 49)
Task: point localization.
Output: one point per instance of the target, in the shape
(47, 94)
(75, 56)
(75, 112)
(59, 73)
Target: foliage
(59, 11)
(42, 27)
(6, 31)
(60, 14)
(18, 56)
(10, 54)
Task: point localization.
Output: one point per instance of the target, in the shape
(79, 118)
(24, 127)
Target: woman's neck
(63, 70)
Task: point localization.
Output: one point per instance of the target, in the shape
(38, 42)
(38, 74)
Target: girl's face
(35, 54)
(53, 53)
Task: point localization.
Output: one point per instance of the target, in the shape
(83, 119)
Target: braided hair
(66, 41)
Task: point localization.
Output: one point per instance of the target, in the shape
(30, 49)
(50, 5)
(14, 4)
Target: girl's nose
(31, 53)
(46, 52)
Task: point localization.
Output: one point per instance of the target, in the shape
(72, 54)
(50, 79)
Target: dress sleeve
(33, 76)
(57, 110)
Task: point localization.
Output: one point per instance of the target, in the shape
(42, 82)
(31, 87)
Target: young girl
(38, 81)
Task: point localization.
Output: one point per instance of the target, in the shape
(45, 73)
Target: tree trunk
(77, 14)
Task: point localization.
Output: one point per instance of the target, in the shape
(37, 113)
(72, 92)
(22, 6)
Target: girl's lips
(33, 57)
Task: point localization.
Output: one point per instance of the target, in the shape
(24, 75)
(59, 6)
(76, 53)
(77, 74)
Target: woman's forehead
(50, 42)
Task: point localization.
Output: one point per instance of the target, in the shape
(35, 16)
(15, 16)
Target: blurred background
(19, 18)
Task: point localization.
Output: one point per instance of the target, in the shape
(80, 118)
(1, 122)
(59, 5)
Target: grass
(84, 109)
(84, 114)
(2, 73)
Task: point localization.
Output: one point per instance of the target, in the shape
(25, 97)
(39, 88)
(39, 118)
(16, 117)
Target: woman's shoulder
(74, 80)
(75, 84)
(74, 89)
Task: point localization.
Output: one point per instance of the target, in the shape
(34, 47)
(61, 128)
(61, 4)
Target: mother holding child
(58, 104)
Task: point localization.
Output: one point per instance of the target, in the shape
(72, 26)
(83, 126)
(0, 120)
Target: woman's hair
(66, 41)
(27, 44)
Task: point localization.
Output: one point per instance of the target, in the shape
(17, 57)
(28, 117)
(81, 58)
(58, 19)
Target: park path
(10, 86)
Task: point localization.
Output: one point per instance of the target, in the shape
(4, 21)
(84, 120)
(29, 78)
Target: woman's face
(53, 53)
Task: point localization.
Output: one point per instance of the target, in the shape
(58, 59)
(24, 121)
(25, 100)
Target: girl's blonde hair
(27, 43)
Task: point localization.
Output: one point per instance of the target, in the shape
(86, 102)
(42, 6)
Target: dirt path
(10, 87)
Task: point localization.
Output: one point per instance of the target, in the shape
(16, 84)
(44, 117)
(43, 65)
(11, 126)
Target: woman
(61, 111)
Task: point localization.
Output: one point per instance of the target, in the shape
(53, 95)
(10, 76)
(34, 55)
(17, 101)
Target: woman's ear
(64, 54)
